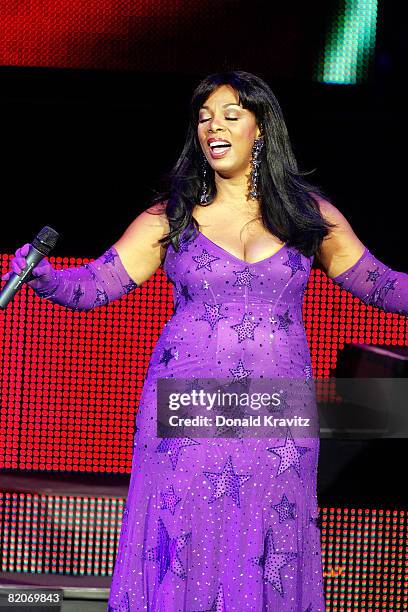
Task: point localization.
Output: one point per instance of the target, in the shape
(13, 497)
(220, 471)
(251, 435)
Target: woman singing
(227, 522)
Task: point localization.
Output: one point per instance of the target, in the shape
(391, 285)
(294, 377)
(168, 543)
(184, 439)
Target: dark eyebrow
(225, 105)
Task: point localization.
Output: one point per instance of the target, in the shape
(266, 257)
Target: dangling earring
(204, 198)
(255, 162)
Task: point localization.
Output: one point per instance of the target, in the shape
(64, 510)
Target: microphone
(41, 246)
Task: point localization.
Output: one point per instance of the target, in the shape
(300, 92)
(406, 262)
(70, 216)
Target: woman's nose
(216, 124)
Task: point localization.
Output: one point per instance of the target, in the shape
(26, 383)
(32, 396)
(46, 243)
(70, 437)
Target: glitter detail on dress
(166, 553)
(272, 563)
(376, 284)
(226, 482)
(94, 284)
(224, 524)
(123, 605)
(289, 455)
(169, 500)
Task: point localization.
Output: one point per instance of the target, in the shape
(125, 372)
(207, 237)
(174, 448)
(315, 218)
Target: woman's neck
(233, 193)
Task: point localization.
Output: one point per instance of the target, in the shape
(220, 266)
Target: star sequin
(244, 278)
(282, 406)
(289, 454)
(204, 260)
(373, 275)
(77, 295)
(285, 509)
(101, 297)
(229, 431)
(173, 446)
(308, 371)
(314, 521)
(123, 606)
(245, 329)
(166, 552)
(375, 298)
(183, 245)
(272, 562)
(212, 314)
(125, 517)
(285, 321)
(379, 295)
(109, 256)
(294, 262)
(389, 284)
(170, 500)
(90, 270)
(184, 292)
(166, 356)
(130, 286)
(194, 384)
(227, 482)
(239, 373)
(176, 305)
(219, 601)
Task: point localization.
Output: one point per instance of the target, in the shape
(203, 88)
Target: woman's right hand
(43, 271)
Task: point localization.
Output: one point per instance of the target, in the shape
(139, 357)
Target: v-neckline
(242, 261)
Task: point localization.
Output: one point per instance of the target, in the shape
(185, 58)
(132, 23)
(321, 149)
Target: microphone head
(45, 240)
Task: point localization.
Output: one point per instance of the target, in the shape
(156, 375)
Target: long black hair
(288, 207)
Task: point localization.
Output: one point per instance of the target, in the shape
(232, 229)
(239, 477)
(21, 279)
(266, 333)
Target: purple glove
(376, 284)
(83, 288)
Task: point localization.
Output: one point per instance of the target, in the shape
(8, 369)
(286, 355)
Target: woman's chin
(226, 170)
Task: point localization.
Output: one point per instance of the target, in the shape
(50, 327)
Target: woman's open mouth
(218, 148)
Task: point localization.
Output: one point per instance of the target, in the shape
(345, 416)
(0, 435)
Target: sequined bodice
(239, 310)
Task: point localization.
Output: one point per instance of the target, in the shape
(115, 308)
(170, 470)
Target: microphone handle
(16, 281)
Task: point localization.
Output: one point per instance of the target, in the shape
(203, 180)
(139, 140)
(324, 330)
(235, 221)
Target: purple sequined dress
(231, 524)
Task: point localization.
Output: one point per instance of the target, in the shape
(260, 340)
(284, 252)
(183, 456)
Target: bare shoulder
(151, 223)
(341, 248)
(158, 211)
(153, 219)
(139, 248)
(329, 211)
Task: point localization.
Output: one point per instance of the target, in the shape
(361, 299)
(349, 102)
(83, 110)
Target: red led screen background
(159, 35)
(71, 381)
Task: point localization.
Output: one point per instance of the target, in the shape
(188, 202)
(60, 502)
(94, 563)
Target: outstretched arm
(122, 268)
(351, 265)
(85, 287)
